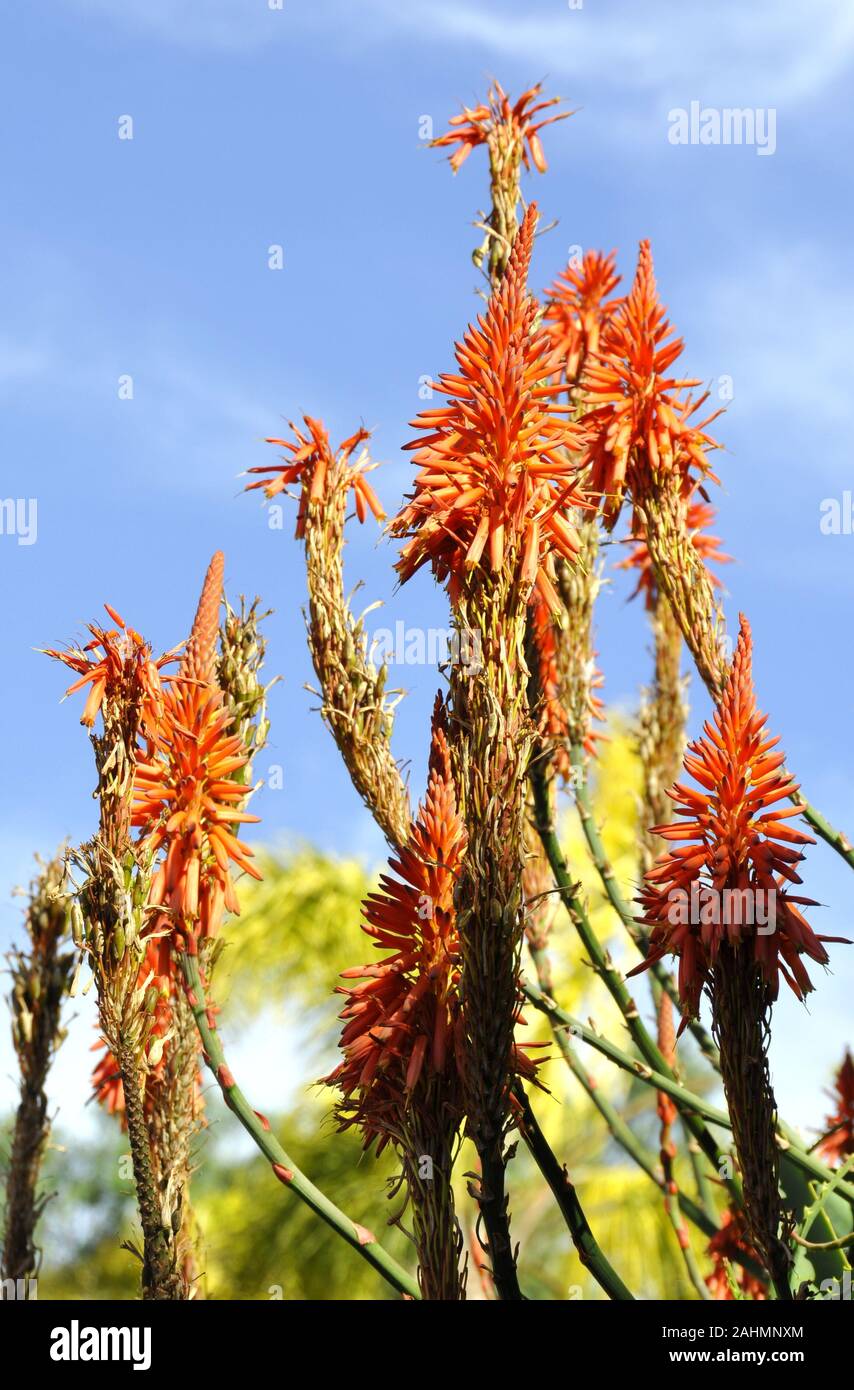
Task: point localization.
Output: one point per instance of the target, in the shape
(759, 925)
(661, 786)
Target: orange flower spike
(185, 802)
(494, 474)
(313, 464)
(730, 838)
(639, 425)
(400, 1014)
(577, 308)
(474, 126)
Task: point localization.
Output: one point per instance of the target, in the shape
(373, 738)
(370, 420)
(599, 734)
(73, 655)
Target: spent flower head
(503, 120)
(316, 467)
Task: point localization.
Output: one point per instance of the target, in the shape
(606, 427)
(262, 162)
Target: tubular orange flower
(838, 1142)
(698, 517)
(475, 124)
(495, 478)
(116, 657)
(639, 425)
(577, 308)
(736, 837)
(313, 464)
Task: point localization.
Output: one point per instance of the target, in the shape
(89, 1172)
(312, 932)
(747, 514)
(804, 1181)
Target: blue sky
(299, 127)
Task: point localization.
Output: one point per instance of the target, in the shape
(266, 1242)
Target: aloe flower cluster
(562, 417)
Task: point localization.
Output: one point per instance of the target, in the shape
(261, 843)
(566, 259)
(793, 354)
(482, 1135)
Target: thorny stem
(565, 1195)
(822, 827)
(363, 1241)
(686, 1101)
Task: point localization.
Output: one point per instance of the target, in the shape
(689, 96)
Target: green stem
(706, 1220)
(686, 1101)
(358, 1237)
(556, 1176)
(826, 831)
(622, 1132)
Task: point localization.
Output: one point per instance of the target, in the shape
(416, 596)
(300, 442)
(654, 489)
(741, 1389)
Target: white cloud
(781, 49)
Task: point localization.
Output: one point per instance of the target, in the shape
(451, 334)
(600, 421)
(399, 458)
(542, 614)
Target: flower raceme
(314, 466)
(639, 424)
(476, 125)
(495, 477)
(724, 1248)
(402, 1021)
(186, 801)
(577, 309)
(402, 1018)
(735, 836)
(187, 804)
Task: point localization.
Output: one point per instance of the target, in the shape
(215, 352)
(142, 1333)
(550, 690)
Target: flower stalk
(41, 976)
